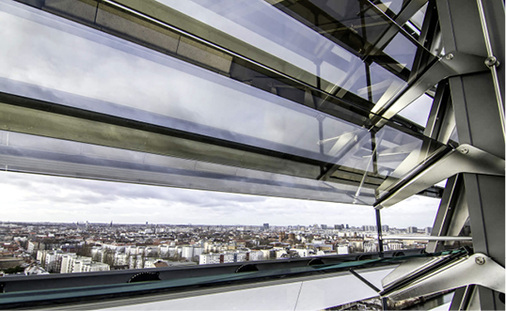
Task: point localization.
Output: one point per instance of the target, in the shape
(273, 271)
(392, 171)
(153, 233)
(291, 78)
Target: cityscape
(43, 248)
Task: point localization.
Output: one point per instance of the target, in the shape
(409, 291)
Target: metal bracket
(464, 159)
(426, 278)
(452, 64)
(460, 63)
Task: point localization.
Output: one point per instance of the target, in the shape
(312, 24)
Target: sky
(30, 197)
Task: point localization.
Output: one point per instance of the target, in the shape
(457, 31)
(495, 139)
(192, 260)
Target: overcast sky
(27, 197)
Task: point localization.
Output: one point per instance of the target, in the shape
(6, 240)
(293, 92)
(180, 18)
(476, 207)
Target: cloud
(415, 211)
(28, 197)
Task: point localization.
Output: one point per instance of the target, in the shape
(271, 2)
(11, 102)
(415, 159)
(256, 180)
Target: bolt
(480, 260)
(464, 150)
(491, 61)
(449, 56)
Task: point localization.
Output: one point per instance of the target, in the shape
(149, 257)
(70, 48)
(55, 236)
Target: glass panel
(414, 217)
(256, 23)
(264, 26)
(455, 135)
(384, 86)
(28, 153)
(417, 19)
(60, 62)
(393, 5)
(402, 50)
(419, 110)
(357, 16)
(441, 184)
(394, 148)
(135, 83)
(417, 211)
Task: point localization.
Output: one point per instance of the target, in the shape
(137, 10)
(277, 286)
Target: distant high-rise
(412, 230)
(266, 226)
(368, 228)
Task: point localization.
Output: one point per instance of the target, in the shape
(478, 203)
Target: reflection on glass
(384, 86)
(58, 61)
(35, 154)
(111, 72)
(390, 156)
(135, 83)
(264, 26)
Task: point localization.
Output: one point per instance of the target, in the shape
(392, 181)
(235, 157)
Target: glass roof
(105, 102)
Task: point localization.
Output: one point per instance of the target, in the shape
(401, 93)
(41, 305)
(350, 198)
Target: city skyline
(39, 198)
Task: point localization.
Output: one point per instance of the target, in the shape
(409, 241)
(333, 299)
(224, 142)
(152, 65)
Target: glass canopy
(147, 102)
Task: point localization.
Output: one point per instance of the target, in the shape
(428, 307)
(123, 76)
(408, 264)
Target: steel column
(479, 124)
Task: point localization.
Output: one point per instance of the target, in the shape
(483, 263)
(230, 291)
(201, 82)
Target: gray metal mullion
(462, 297)
(478, 124)
(426, 39)
(379, 231)
(434, 121)
(441, 121)
(443, 215)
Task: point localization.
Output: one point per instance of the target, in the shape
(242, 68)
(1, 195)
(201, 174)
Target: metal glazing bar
(428, 37)
(436, 114)
(379, 230)
(396, 24)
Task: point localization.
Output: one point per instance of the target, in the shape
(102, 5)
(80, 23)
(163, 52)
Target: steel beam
(419, 278)
(464, 159)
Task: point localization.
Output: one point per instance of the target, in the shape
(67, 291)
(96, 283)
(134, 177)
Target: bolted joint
(480, 260)
(492, 61)
(463, 150)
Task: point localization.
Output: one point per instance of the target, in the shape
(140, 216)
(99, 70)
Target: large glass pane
(135, 83)
(297, 150)
(419, 110)
(402, 50)
(409, 222)
(264, 26)
(393, 5)
(45, 62)
(28, 153)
